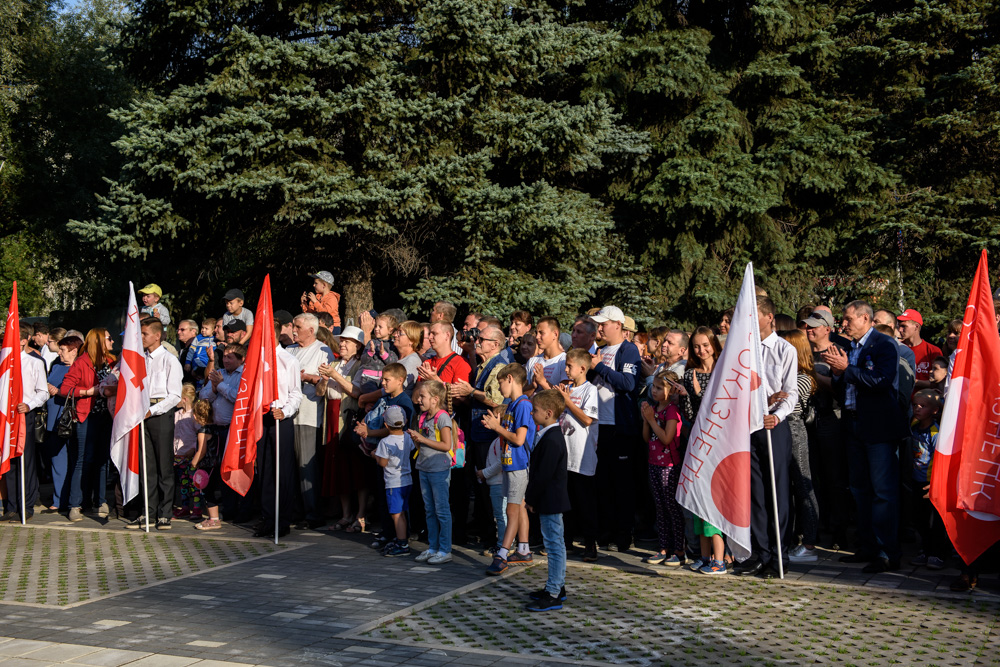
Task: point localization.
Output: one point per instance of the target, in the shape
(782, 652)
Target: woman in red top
(89, 449)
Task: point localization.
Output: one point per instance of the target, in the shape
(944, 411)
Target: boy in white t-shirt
(393, 454)
(579, 427)
(547, 369)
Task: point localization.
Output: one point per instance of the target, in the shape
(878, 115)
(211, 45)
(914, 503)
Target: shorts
(704, 528)
(398, 499)
(515, 483)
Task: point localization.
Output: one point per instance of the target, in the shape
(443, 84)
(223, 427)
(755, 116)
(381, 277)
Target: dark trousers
(762, 529)
(581, 520)
(482, 507)
(829, 463)
(874, 475)
(615, 486)
(13, 502)
(458, 496)
(159, 464)
(286, 463)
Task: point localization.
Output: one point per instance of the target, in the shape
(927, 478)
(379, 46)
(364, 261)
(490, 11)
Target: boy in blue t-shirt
(516, 429)
(923, 436)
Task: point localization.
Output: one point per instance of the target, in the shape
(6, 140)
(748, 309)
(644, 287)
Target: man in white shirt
(40, 337)
(548, 368)
(34, 390)
(780, 386)
(310, 353)
(163, 373)
(278, 423)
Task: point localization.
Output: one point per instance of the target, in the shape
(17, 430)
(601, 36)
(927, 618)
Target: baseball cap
(610, 314)
(282, 317)
(630, 324)
(233, 294)
(354, 333)
(394, 417)
(819, 318)
(235, 325)
(910, 315)
(325, 276)
(151, 288)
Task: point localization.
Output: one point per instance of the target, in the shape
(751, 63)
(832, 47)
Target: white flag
(132, 403)
(714, 480)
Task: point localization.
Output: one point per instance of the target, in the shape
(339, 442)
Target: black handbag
(67, 419)
(41, 420)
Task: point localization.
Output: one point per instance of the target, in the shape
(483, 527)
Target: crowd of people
(507, 435)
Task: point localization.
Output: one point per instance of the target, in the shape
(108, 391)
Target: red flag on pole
(132, 402)
(11, 393)
(258, 389)
(965, 471)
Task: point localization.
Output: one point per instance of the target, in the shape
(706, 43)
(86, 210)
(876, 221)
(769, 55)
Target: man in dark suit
(865, 381)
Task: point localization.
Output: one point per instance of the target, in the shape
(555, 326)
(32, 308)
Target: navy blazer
(547, 477)
(879, 416)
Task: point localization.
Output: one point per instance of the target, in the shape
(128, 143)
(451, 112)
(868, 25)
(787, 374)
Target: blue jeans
(90, 452)
(555, 549)
(57, 451)
(434, 489)
(499, 502)
(874, 479)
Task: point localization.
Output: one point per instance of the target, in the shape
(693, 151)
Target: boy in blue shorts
(393, 454)
(517, 434)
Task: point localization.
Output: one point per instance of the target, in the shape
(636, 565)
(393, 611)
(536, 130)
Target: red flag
(11, 392)
(132, 402)
(258, 388)
(965, 472)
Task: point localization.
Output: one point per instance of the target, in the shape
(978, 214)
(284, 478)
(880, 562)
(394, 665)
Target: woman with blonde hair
(89, 449)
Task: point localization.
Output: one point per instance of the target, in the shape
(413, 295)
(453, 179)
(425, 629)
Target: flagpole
(145, 475)
(277, 466)
(24, 509)
(774, 505)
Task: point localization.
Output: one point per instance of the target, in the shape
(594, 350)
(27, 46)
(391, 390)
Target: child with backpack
(435, 437)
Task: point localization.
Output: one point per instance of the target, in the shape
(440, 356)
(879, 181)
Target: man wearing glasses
(485, 395)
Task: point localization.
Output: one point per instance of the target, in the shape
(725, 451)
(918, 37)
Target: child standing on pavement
(393, 454)
(492, 476)
(661, 428)
(434, 438)
(185, 446)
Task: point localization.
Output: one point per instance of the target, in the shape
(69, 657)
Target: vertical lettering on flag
(714, 480)
(12, 426)
(258, 389)
(132, 402)
(965, 470)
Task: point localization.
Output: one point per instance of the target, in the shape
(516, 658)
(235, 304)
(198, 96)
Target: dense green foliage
(548, 155)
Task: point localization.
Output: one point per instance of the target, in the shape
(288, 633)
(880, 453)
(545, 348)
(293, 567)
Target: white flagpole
(774, 504)
(24, 509)
(145, 475)
(277, 466)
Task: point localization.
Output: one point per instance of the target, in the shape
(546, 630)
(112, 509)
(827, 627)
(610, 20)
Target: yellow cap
(152, 288)
(630, 324)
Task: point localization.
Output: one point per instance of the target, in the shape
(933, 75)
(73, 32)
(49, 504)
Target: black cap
(235, 325)
(233, 294)
(282, 317)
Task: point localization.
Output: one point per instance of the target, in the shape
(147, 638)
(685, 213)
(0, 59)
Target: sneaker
(396, 549)
(181, 513)
(490, 551)
(935, 563)
(590, 554)
(713, 567)
(518, 558)
(541, 593)
(379, 542)
(655, 559)
(75, 514)
(919, 559)
(439, 557)
(698, 563)
(497, 567)
(103, 511)
(546, 603)
(138, 524)
(430, 553)
(803, 554)
(674, 561)
(163, 524)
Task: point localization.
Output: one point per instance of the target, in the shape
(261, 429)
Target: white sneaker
(439, 558)
(426, 555)
(803, 554)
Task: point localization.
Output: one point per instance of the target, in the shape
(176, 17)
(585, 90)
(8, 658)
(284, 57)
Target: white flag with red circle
(132, 402)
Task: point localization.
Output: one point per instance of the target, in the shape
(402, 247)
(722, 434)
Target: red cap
(910, 315)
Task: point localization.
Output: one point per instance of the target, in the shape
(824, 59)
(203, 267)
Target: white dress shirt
(223, 398)
(310, 357)
(164, 373)
(289, 383)
(48, 356)
(781, 369)
(34, 386)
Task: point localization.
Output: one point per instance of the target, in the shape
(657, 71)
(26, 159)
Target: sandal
(357, 527)
(209, 524)
(340, 525)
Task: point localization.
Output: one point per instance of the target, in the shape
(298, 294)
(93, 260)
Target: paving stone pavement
(327, 599)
